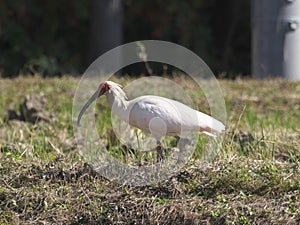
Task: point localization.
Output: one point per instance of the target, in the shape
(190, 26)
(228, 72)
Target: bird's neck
(117, 103)
(115, 100)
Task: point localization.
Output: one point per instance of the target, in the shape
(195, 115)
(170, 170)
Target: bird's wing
(178, 118)
(145, 108)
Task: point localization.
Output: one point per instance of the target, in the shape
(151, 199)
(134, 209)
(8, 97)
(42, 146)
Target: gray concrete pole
(276, 39)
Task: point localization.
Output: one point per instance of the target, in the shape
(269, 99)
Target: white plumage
(154, 114)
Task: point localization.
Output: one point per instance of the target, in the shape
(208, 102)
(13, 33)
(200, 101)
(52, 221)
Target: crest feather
(116, 90)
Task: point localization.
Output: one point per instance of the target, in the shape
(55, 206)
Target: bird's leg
(159, 150)
(125, 153)
(177, 140)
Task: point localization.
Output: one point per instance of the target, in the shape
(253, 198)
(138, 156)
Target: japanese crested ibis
(154, 114)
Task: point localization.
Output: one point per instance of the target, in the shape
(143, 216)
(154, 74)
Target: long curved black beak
(89, 102)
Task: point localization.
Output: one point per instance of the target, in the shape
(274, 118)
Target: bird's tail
(208, 131)
(211, 127)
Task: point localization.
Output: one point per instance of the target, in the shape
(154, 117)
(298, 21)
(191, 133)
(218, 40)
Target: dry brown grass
(43, 180)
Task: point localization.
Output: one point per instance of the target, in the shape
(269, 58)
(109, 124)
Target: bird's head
(103, 89)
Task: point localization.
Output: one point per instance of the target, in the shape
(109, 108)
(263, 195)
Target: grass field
(254, 180)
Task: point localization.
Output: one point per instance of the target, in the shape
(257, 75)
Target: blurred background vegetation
(58, 37)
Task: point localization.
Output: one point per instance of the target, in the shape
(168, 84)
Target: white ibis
(154, 114)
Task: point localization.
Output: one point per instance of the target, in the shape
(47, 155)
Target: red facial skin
(104, 88)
